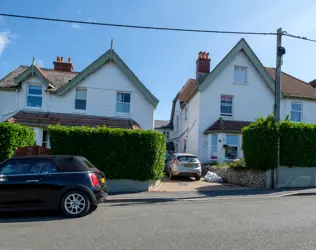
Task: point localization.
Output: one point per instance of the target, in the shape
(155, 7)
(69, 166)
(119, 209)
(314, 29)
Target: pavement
(185, 184)
(235, 223)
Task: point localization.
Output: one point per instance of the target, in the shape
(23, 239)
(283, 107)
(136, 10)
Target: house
(106, 92)
(164, 127)
(209, 111)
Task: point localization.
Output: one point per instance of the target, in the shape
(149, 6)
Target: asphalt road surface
(254, 223)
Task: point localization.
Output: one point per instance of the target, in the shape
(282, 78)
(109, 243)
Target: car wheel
(170, 175)
(75, 204)
(198, 178)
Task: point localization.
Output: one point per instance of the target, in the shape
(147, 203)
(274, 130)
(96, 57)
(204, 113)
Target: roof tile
(226, 126)
(46, 118)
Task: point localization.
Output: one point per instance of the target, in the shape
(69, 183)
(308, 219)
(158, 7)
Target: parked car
(71, 184)
(182, 164)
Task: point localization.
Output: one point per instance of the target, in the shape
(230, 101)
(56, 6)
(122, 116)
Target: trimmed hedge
(259, 144)
(13, 136)
(297, 144)
(119, 153)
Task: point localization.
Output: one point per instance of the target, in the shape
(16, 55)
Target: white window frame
(80, 110)
(233, 145)
(27, 95)
(301, 112)
(214, 153)
(246, 77)
(130, 103)
(45, 143)
(232, 106)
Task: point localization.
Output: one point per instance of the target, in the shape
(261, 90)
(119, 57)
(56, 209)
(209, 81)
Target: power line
(284, 33)
(138, 26)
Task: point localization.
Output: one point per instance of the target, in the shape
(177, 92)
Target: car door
(50, 183)
(19, 182)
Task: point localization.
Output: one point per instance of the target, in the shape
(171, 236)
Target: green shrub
(119, 153)
(260, 144)
(237, 163)
(297, 144)
(13, 136)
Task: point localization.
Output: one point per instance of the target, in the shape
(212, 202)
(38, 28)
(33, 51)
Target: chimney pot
(58, 59)
(61, 58)
(69, 60)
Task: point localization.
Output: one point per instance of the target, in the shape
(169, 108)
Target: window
(81, 99)
(34, 96)
(186, 114)
(123, 102)
(240, 74)
(187, 158)
(214, 141)
(226, 105)
(177, 123)
(232, 144)
(45, 138)
(48, 167)
(21, 167)
(167, 135)
(296, 112)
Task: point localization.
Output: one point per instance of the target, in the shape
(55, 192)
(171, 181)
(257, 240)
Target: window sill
(241, 83)
(83, 112)
(227, 117)
(122, 114)
(34, 108)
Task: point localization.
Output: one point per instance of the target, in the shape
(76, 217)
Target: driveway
(190, 184)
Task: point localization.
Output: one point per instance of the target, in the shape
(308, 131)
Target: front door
(19, 180)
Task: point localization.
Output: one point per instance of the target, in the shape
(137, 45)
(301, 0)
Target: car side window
(48, 167)
(21, 167)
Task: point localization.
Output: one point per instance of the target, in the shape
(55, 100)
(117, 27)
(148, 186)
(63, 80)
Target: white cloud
(40, 63)
(4, 40)
(76, 26)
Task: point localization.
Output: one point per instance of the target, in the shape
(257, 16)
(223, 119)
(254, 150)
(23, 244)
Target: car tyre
(75, 204)
(198, 178)
(171, 177)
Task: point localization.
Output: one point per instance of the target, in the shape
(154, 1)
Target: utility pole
(280, 51)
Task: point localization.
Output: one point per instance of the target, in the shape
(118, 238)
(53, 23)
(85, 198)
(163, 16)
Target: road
(235, 223)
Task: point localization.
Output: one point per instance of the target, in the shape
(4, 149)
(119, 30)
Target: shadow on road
(34, 216)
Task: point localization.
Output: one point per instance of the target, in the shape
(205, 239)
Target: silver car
(182, 164)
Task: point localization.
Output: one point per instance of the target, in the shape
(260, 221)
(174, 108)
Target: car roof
(45, 156)
(184, 154)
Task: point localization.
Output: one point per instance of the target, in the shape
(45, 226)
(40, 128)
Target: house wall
(250, 100)
(7, 104)
(177, 129)
(308, 109)
(191, 125)
(102, 86)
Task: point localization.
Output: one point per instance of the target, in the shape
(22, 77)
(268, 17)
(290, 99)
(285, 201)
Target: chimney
(203, 64)
(60, 65)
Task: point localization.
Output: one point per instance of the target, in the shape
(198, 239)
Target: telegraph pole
(280, 51)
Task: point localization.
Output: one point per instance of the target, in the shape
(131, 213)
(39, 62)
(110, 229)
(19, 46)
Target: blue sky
(162, 60)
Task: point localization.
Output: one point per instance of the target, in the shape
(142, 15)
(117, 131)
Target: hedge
(297, 144)
(13, 136)
(259, 144)
(119, 153)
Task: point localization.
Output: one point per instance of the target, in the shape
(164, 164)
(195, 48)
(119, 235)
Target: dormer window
(34, 96)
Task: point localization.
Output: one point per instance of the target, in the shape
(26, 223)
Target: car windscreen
(187, 158)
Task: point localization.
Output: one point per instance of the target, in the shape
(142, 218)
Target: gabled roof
(54, 77)
(46, 118)
(163, 124)
(109, 56)
(293, 87)
(242, 45)
(61, 82)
